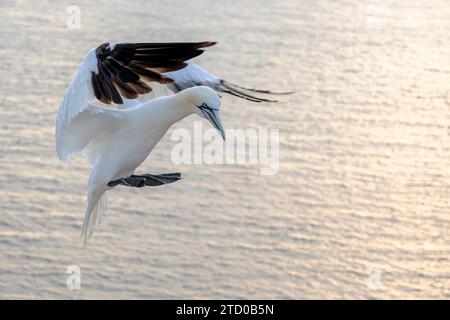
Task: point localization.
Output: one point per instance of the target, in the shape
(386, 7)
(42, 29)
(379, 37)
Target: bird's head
(206, 103)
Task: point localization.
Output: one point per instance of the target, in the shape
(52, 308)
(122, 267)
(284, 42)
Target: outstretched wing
(75, 100)
(124, 69)
(193, 75)
(113, 73)
(86, 132)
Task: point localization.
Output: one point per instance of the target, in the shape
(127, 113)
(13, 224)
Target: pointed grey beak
(214, 117)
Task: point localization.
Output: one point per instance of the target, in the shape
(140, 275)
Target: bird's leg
(139, 181)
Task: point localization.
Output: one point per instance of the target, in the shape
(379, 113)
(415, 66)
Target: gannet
(117, 141)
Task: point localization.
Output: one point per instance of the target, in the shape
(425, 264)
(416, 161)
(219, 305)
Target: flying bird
(117, 140)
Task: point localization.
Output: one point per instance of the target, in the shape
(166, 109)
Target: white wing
(75, 100)
(193, 75)
(89, 129)
(190, 76)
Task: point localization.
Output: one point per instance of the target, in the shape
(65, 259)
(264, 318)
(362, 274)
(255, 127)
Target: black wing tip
(155, 45)
(138, 45)
(265, 91)
(121, 67)
(235, 91)
(207, 44)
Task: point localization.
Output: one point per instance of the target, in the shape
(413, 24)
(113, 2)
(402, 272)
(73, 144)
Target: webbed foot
(140, 181)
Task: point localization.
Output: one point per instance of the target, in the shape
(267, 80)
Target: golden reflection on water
(364, 150)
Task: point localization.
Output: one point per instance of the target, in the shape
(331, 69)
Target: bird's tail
(248, 93)
(96, 205)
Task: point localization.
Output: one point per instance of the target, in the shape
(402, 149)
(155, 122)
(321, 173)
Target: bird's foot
(129, 182)
(140, 181)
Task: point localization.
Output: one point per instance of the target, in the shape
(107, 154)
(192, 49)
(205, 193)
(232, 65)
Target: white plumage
(192, 75)
(117, 141)
(76, 98)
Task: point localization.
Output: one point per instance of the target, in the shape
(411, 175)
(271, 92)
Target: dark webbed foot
(139, 181)
(158, 179)
(129, 182)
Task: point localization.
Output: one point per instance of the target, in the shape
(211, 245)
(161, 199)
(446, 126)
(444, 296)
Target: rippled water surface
(359, 208)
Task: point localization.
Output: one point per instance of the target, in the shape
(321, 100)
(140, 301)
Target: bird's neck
(166, 110)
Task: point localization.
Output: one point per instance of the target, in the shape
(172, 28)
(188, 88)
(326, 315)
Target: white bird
(117, 141)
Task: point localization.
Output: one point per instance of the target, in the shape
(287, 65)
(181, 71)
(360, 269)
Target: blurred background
(359, 208)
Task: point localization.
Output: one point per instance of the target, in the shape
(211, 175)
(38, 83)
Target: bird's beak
(214, 117)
